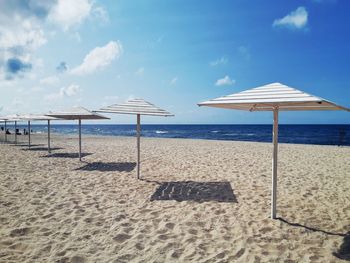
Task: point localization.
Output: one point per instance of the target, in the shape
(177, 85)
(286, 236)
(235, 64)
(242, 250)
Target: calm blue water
(304, 134)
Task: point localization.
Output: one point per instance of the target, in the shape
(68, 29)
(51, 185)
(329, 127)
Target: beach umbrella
(13, 118)
(37, 117)
(9, 118)
(273, 97)
(136, 107)
(77, 113)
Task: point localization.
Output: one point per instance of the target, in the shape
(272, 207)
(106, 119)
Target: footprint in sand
(221, 255)
(20, 232)
(239, 253)
(176, 254)
(139, 246)
(193, 231)
(88, 220)
(120, 238)
(163, 237)
(170, 225)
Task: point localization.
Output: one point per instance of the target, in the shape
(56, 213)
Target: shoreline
(88, 135)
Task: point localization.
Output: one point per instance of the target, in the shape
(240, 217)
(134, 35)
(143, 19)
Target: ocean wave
(214, 131)
(161, 132)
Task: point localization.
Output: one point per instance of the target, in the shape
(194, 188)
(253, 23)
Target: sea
(299, 134)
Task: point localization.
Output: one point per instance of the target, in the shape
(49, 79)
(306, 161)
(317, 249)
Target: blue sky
(57, 54)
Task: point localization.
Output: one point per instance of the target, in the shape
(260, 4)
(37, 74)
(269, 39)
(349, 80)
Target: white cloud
(220, 61)
(173, 81)
(19, 39)
(70, 91)
(21, 33)
(225, 81)
(71, 13)
(64, 92)
(67, 13)
(51, 80)
(297, 19)
(140, 71)
(99, 58)
(23, 29)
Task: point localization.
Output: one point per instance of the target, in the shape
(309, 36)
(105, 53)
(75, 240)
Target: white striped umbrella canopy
(36, 117)
(137, 107)
(273, 97)
(77, 113)
(12, 117)
(268, 97)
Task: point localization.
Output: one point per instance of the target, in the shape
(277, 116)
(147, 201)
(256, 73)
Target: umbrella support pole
(48, 137)
(138, 131)
(15, 132)
(5, 132)
(274, 164)
(29, 134)
(79, 139)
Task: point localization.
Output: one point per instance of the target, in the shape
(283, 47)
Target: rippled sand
(198, 201)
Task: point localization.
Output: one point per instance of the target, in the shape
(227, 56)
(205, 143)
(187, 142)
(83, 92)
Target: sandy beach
(198, 201)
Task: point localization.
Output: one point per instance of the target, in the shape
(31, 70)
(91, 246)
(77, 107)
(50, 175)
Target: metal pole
(138, 131)
(5, 132)
(274, 164)
(79, 139)
(48, 136)
(28, 133)
(15, 132)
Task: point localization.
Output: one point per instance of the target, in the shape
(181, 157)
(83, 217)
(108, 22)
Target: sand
(198, 201)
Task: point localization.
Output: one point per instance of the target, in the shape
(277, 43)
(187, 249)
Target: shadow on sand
(108, 167)
(65, 155)
(23, 144)
(40, 149)
(344, 250)
(195, 191)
